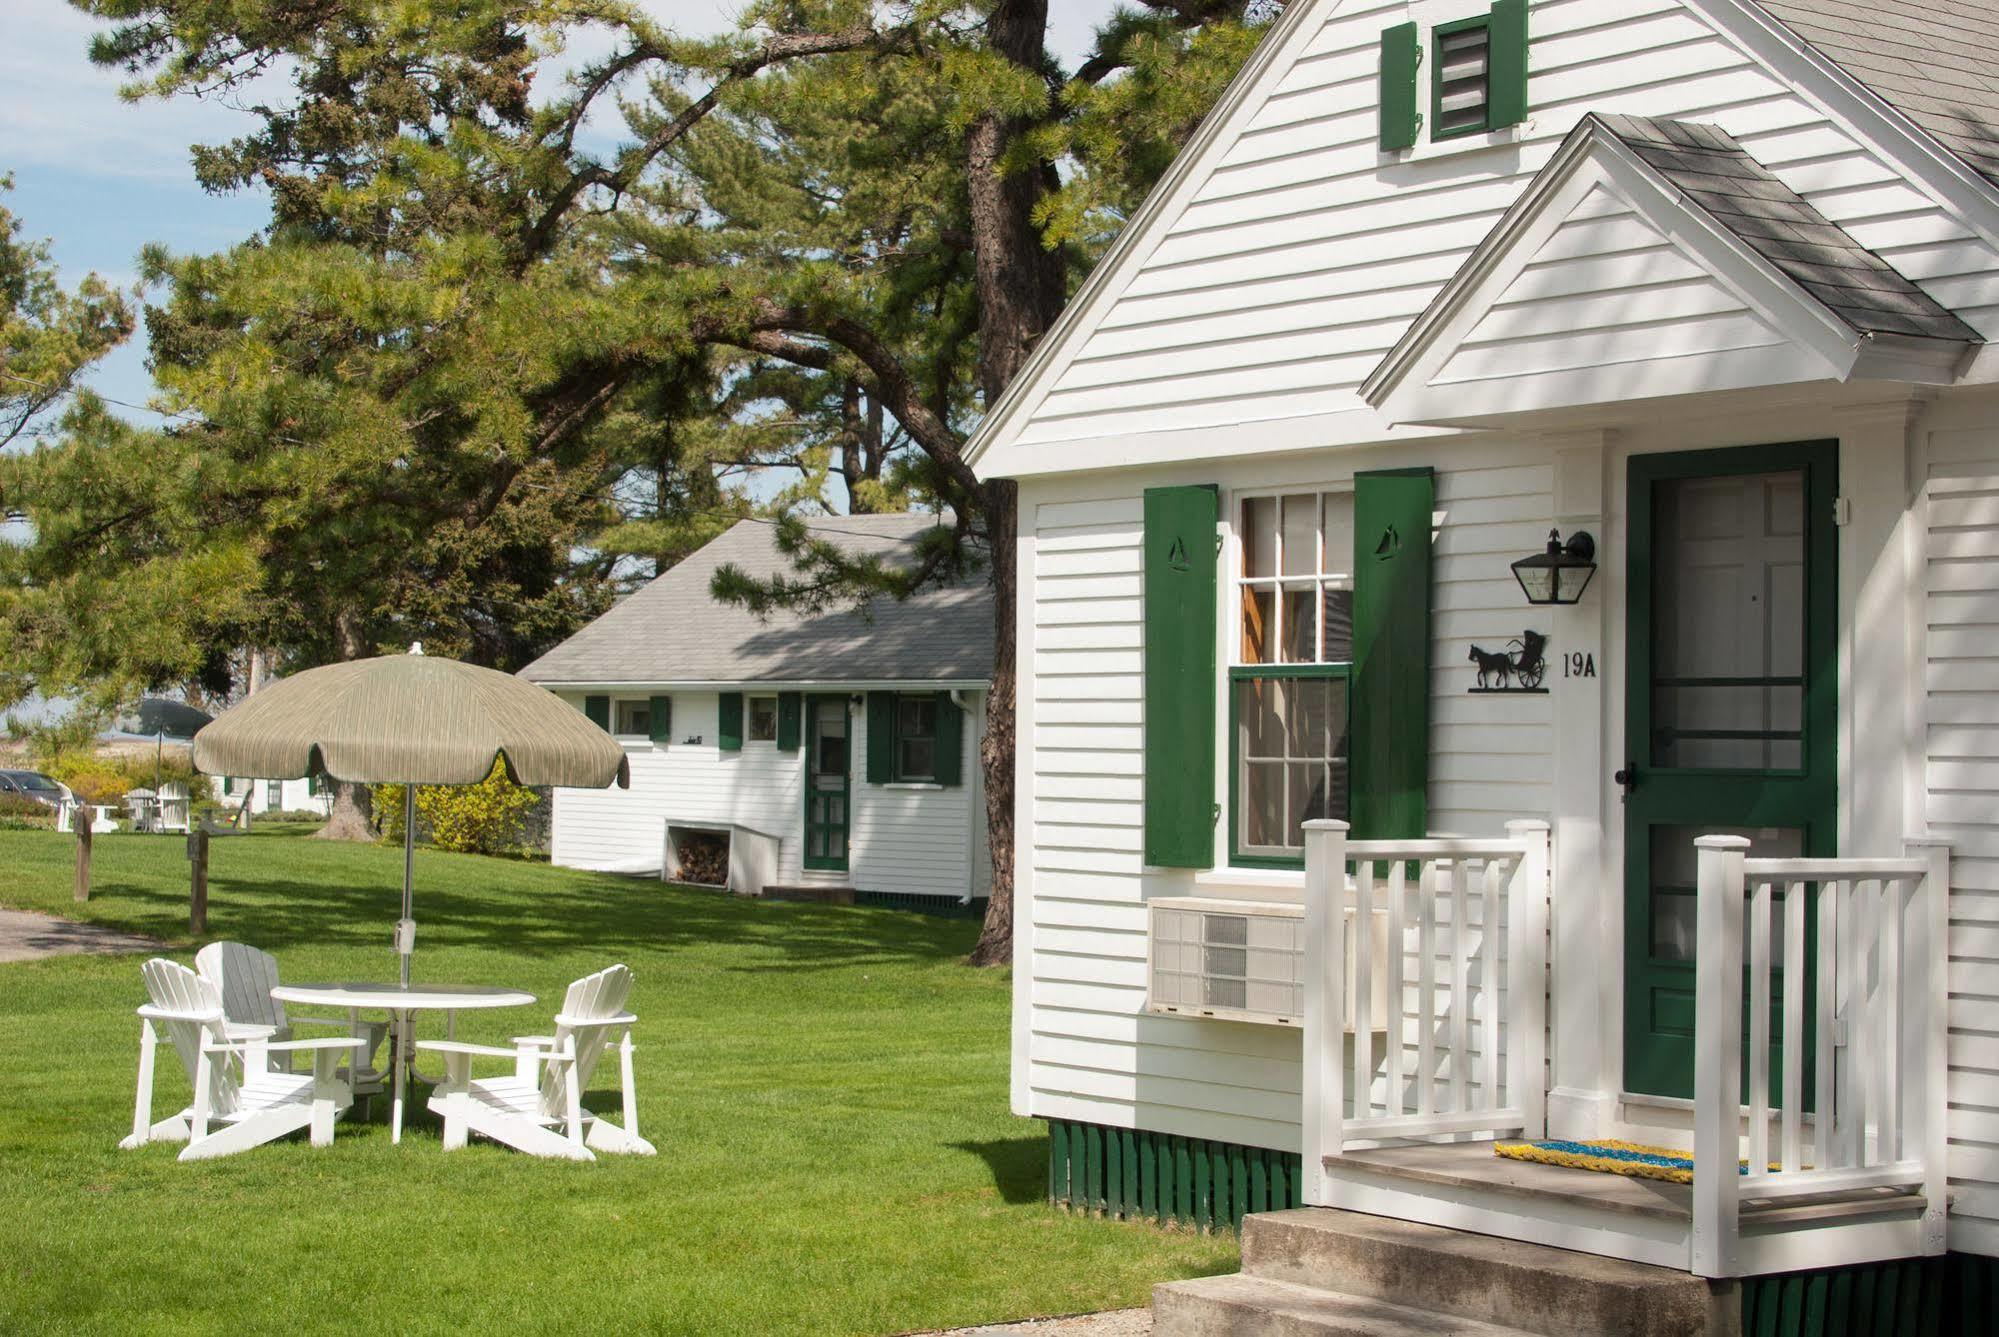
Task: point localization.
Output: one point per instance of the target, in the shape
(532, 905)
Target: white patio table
(401, 1002)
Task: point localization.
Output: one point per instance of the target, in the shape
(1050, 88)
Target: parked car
(33, 785)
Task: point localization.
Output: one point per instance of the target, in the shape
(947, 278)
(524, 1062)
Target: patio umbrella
(160, 718)
(410, 720)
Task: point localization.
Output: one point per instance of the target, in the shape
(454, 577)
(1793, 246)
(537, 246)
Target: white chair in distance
(263, 1106)
(244, 977)
(174, 808)
(539, 1109)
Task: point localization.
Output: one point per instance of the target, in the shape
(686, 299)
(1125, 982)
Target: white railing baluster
(1398, 891)
(1849, 1102)
(1452, 885)
(1426, 990)
(1361, 936)
(1759, 1029)
(1888, 1025)
(1488, 985)
(1796, 1044)
(1825, 1032)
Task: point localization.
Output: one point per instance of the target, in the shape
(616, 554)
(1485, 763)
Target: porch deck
(1466, 1186)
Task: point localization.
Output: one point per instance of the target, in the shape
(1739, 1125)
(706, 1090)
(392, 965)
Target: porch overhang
(1651, 259)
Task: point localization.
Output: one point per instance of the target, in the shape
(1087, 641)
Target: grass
(827, 1087)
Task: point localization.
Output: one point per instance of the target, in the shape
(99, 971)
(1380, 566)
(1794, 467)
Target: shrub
(18, 813)
(92, 778)
(487, 818)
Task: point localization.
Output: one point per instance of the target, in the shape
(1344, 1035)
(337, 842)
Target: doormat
(1634, 1159)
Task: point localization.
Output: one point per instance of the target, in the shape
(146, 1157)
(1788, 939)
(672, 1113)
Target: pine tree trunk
(996, 749)
(353, 806)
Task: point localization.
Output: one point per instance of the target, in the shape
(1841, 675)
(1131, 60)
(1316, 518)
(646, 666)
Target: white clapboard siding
(1962, 671)
(1093, 1051)
(918, 841)
(1296, 262)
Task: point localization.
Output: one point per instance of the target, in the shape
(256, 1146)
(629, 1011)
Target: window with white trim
(633, 717)
(1288, 685)
(763, 719)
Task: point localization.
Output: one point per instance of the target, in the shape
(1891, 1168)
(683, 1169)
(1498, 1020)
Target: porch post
(1925, 950)
(1527, 982)
(1325, 990)
(1717, 1054)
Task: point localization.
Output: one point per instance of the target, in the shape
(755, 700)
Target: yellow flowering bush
(487, 818)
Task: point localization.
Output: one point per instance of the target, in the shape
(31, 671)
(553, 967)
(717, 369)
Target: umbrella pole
(406, 930)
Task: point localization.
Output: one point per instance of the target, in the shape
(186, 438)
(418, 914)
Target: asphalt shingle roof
(1931, 60)
(1710, 168)
(673, 630)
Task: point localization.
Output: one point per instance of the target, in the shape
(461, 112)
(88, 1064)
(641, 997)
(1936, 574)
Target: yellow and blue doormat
(1634, 1159)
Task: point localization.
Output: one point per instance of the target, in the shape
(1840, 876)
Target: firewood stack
(704, 859)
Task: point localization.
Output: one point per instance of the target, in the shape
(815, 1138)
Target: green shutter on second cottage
(1401, 54)
(790, 718)
(950, 741)
(1506, 65)
(598, 710)
(1391, 637)
(1180, 682)
(729, 723)
(660, 713)
(881, 737)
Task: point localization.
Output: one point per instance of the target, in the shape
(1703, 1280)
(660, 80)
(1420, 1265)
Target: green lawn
(827, 1088)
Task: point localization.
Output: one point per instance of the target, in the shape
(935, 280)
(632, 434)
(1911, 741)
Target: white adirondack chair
(539, 1109)
(263, 1106)
(174, 807)
(244, 976)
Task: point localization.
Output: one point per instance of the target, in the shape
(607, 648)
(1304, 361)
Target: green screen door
(1731, 707)
(828, 796)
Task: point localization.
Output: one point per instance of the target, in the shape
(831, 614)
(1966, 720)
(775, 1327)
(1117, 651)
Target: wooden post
(1717, 1054)
(81, 820)
(1325, 986)
(1927, 949)
(197, 894)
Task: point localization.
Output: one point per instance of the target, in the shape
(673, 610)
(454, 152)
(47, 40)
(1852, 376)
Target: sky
(100, 177)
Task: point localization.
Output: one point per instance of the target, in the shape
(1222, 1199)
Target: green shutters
(598, 708)
(1401, 53)
(790, 711)
(1391, 673)
(729, 723)
(1506, 74)
(1180, 678)
(660, 713)
(950, 740)
(881, 737)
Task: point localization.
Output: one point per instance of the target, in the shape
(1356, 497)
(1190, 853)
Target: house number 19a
(1578, 664)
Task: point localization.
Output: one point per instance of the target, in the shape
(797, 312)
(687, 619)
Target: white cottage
(1705, 286)
(831, 756)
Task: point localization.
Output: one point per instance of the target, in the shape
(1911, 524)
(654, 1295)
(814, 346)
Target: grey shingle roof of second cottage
(674, 631)
(1931, 60)
(1710, 168)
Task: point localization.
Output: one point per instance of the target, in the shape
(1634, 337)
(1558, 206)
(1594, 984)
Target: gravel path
(1111, 1323)
(25, 936)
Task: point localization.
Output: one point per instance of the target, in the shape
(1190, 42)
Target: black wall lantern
(1562, 573)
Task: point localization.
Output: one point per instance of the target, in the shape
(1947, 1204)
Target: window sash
(763, 719)
(1241, 852)
(1269, 603)
(632, 717)
(915, 751)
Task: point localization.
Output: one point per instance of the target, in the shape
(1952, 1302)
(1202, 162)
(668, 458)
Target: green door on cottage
(1731, 707)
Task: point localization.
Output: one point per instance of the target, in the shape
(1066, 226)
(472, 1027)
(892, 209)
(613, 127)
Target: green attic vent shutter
(881, 737)
(1401, 53)
(598, 709)
(729, 726)
(1180, 682)
(1506, 69)
(1391, 637)
(661, 714)
(950, 740)
(790, 720)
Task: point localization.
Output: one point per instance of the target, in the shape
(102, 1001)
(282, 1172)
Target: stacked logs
(704, 858)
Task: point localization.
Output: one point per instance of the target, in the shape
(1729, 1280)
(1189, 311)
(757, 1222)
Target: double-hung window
(916, 738)
(763, 719)
(634, 718)
(1288, 685)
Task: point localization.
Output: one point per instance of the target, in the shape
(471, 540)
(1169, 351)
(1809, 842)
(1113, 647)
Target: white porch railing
(1461, 1049)
(1873, 1003)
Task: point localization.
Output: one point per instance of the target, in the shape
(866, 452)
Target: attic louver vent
(1464, 84)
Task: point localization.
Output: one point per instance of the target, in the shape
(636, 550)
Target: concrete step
(1244, 1306)
(1531, 1287)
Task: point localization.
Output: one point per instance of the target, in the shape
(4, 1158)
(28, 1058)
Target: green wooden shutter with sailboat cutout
(1506, 65)
(790, 716)
(1391, 637)
(1401, 54)
(1181, 685)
